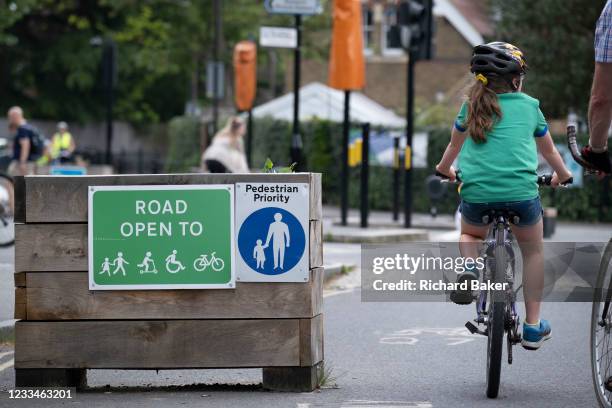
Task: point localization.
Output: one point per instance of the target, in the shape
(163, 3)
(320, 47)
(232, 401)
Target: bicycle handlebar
(446, 179)
(546, 179)
(543, 180)
(572, 145)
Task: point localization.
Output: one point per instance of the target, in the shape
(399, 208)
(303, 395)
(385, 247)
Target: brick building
(460, 25)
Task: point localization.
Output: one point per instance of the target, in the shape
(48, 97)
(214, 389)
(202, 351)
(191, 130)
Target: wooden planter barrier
(64, 328)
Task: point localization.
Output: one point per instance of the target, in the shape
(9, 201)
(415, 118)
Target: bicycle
(7, 210)
(601, 314)
(496, 309)
(202, 262)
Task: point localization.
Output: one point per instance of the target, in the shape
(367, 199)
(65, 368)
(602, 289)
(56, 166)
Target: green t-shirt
(503, 168)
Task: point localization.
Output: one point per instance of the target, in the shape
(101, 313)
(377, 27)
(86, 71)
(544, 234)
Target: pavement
(378, 355)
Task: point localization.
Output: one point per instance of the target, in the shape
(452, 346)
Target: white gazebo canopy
(320, 101)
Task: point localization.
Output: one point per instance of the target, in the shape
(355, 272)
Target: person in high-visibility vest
(62, 144)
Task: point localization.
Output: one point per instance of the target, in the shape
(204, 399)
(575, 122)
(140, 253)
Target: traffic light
(415, 18)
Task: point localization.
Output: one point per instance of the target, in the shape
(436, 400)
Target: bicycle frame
(512, 319)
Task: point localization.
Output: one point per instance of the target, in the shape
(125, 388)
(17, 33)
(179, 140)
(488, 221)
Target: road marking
(454, 335)
(6, 365)
(369, 404)
(338, 292)
(6, 353)
(7, 323)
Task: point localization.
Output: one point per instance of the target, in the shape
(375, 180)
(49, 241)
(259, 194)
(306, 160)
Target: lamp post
(109, 82)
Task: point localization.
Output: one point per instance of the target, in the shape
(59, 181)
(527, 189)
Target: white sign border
(91, 190)
(263, 278)
(269, 29)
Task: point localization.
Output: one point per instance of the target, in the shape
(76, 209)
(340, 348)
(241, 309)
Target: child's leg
(530, 242)
(471, 239)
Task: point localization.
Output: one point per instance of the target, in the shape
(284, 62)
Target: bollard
(396, 177)
(365, 173)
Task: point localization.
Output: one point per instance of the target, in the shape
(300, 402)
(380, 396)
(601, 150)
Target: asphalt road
(7, 291)
(380, 355)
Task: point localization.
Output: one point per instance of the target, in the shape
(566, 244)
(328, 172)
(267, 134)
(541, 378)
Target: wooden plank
(316, 194)
(20, 303)
(311, 341)
(51, 377)
(20, 279)
(65, 296)
(317, 277)
(316, 244)
(64, 199)
(292, 379)
(20, 202)
(157, 344)
(50, 247)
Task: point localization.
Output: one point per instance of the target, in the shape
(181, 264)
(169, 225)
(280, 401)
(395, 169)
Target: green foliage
(557, 38)
(184, 141)
(268, 166)
(51, 68)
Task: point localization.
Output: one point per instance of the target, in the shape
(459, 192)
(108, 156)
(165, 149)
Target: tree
(49, 66)
(557, 38)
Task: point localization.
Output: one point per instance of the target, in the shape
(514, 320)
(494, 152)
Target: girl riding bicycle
(497, 135)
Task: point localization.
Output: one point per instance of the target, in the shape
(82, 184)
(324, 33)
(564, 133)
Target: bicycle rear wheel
(7, 211)
(601, 335)
(496, 312)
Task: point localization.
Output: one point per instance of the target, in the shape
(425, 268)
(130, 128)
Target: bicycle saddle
(500, 214)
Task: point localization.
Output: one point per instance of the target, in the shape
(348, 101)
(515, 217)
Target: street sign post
(293, 7)
(278, 37)
(161, 237)
(272, 232)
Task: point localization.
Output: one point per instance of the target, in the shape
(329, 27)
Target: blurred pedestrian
(28, 144)
(226, 152)
(62, 144)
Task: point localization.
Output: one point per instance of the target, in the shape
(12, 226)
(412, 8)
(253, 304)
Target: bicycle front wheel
(496, 312)
(601, 336)
(7, 211)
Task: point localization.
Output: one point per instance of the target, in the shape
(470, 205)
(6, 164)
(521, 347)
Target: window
(383, 19)
(391, 44)
(368, 29)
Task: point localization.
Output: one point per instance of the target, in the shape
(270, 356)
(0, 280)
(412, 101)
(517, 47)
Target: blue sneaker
(534, 336)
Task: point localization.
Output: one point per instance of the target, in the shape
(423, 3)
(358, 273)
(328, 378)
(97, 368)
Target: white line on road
(7, 323)
(370, 404)
(6, 365)
(6, 353)
(338, 292)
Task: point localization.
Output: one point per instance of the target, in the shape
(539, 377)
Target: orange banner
(346, 63)
(245, 74)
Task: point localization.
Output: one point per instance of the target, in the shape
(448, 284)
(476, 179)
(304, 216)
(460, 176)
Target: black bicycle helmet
(498, 58)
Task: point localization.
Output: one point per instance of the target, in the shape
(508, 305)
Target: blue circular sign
(271, 241)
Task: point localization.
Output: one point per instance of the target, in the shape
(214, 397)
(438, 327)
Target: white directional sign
(272, 232)
(278, 37)
(303, 7)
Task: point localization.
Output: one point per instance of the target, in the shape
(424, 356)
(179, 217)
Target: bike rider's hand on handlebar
(556, 180)
(448, 173)
(552, 180)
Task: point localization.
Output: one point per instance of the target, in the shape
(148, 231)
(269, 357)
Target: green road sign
(161, 237)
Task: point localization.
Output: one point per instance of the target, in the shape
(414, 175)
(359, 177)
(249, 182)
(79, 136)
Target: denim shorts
(529, 211)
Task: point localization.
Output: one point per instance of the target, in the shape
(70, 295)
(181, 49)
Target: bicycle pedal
(473, 329)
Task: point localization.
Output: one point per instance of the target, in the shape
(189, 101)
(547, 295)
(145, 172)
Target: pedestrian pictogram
(161, 237)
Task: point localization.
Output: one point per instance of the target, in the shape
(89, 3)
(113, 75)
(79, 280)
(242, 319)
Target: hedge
(322, 152)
